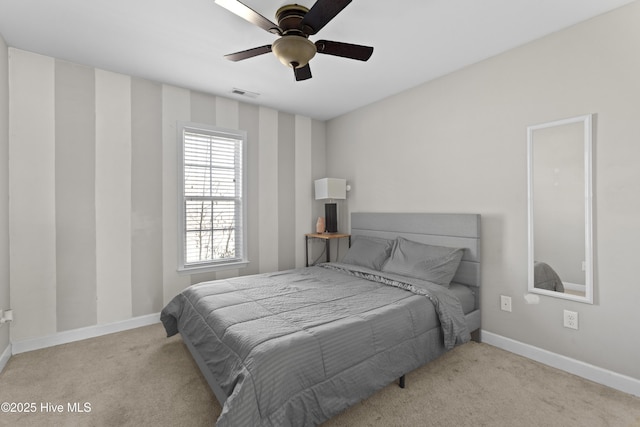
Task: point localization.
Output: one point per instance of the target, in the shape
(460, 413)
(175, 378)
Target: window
(212, 208)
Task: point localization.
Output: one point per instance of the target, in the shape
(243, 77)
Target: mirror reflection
(560, 260)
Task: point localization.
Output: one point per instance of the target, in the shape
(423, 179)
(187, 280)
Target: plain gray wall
(458, 144)
(4, 188)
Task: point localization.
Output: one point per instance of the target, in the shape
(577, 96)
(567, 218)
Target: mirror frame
(587, 121)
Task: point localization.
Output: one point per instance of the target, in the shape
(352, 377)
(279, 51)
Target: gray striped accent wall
(146, 196)
(286, 185)
(75, 208)
(4, 191)
(93, 212)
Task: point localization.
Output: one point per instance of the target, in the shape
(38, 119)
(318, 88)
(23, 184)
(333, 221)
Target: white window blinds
(212, 197)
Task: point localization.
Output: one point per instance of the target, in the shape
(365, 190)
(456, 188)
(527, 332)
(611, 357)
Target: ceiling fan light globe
(293, 49)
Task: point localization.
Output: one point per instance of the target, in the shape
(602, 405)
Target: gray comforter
(294, 348)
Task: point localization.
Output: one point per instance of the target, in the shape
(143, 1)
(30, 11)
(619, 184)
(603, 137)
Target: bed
(545, 277)
(296, 347)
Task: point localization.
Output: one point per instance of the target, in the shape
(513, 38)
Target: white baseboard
(5, 356)
(65, 337)
(593, 373)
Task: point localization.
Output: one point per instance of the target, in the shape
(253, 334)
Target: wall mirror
(560, 208)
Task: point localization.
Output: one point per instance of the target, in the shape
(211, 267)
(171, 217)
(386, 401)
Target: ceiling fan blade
(302, 73)
(346, 50)
(245, 12)
(249, 53)
(321, 13)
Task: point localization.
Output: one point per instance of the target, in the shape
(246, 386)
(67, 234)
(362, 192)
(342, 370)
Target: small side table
(327, 242)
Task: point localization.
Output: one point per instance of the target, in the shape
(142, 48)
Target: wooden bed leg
(401, 382)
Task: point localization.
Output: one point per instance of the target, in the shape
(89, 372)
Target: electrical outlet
(505, 303)
(570, 319)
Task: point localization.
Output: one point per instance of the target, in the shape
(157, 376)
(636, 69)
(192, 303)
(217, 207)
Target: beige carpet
(141, 378)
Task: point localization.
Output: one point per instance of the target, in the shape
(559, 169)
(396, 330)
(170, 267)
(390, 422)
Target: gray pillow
(370, 252)
(437, 264)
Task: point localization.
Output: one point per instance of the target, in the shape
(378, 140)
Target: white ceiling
(182, 42)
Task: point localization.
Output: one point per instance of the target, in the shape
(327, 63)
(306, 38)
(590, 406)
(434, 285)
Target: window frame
(212, 265)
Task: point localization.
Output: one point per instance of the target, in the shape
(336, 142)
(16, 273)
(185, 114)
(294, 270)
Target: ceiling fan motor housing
(289, 17)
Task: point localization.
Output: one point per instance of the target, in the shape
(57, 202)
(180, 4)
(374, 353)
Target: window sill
(206, 268)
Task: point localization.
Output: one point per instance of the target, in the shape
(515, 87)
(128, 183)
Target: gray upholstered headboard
(454, 230)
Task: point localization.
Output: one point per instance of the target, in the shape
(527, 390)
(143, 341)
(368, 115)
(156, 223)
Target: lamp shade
(331, 188)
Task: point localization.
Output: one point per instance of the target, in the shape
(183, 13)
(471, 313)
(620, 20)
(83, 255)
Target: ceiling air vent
(243, 92)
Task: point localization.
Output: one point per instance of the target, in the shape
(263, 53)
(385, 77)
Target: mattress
(466, 295)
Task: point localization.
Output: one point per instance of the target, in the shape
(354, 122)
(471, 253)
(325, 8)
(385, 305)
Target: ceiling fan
(295, 24)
